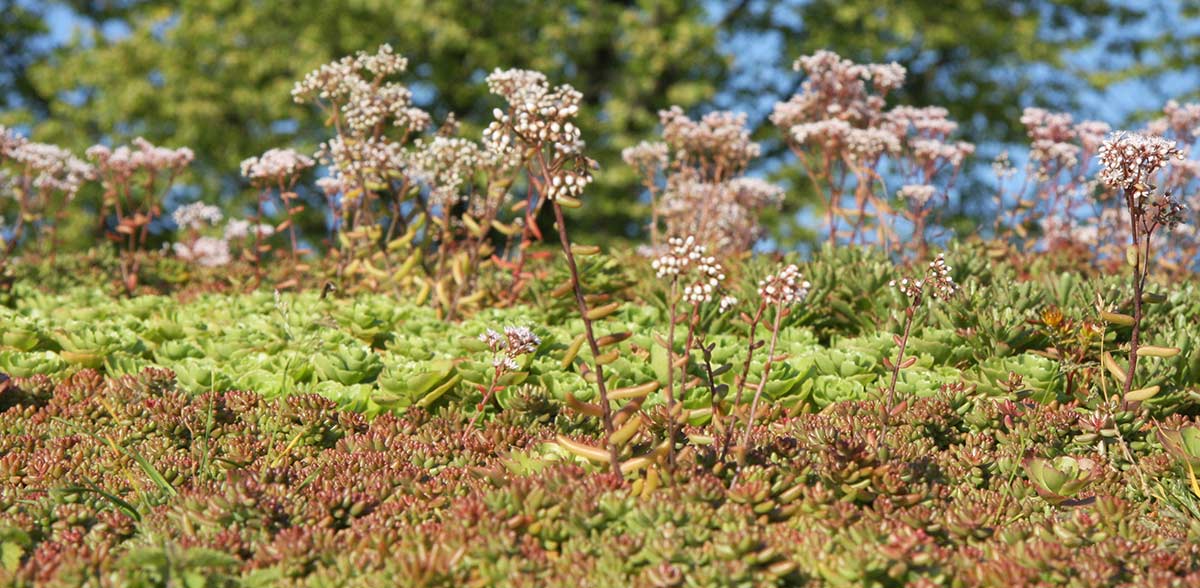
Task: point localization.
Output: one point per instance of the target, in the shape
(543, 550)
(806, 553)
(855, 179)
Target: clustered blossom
(196, 215)
(648, 157)
(538, 114)
(445, 164)
(917, 195)
(515, 341)
(205, 251)
(367, 160)
(841, 111)
(124, 161)
(51, 167)
(1183, 120)
(362, 103)
(786, 287)
(365, 101)
(705, 193)
(837, 89)
(720, 137)
(238, 228)
(276, 165)
(1129, 160)
(686, 258)
(936, 285)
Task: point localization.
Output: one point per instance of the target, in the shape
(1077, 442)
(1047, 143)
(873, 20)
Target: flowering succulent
(506, 348)
(196, 216)
(846, 141)
(936, 285)
(704, 192)
(276, 165)
(784, 288)
(1129, 161)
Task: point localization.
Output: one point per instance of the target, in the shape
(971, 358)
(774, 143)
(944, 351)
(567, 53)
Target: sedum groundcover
(232, 439)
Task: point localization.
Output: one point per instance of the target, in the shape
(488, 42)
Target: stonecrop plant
(135, 180)
(1130, 164)
(697, 184)
(41, 182)
(849, 144)
(410, 368)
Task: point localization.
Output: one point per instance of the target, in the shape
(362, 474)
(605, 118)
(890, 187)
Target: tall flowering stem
(277, 169)
(1129, 163)
(935, 285)
(135, 181)
(752, 346)
(778, 291)
(685, 260)
(538, 128)
(506, 348)
(43, 180)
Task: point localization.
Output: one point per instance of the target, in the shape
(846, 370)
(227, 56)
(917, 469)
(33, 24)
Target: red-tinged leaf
(908, 362)
(887, 363)
(283, 226)
(284, 285)
(296, 209)
(898, 340)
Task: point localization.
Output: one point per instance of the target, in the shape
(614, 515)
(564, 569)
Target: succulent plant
(1060, 478)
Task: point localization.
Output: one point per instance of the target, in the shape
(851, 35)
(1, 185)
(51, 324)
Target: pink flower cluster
(125, 161)
(47, 167)
(704, 192)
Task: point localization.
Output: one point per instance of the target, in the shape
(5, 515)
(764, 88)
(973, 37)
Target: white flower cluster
(196, 215)
(237, 229)
(538, 114)
(568, 183)
(1056, 142)
(686, 258)
(786, 287)
(917, 195)
(937, 283)
(367, 159)
(1128, 160)
(52, 167)
(515, 341)
(1181, 119)
(276, 165)
(722, 214)
(365, 101)
(837, 89)
(125, 161)
(205, 251)
(681, 253)
(445, 164)
(841, 109)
